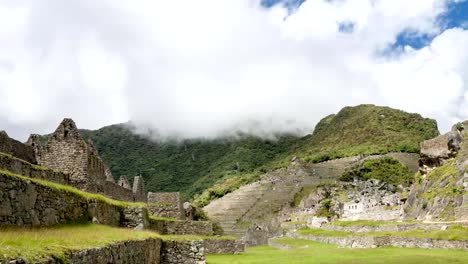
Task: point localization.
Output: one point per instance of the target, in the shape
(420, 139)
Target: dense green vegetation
(368, 129)
(222, 165)
(304, 251)
(190, 166)
(386, 169)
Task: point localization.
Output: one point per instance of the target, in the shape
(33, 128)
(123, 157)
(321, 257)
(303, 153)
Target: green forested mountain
(192, 166)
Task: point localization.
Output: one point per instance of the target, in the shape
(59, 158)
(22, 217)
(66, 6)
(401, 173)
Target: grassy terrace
(370, 223)
(452, 233)
(39, 243)
(70, 189)
(304, 251)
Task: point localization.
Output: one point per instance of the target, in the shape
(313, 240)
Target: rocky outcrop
(436, 151)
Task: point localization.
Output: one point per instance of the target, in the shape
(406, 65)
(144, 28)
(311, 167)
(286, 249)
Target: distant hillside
(193, 166)
(367, 129)
(189, 166)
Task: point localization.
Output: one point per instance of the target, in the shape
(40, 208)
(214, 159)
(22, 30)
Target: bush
(386, 169)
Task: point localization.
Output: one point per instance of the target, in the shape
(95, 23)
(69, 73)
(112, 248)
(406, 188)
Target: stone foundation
(181, 227)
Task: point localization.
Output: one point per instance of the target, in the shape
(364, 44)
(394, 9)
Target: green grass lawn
(38, 243)
(305, 251)
(369, 223)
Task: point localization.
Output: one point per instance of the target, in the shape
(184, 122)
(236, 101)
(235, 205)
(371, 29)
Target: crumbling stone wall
(139, 188)
(115, 191)
(136, 217)
(166, 204)
(68, 152)
(25, 203)
(16, 148)
(24, 168)
(182, 227)
(183, 252)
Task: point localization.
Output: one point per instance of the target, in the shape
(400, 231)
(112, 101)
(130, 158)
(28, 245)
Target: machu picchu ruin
(59, 183)
(65, 182)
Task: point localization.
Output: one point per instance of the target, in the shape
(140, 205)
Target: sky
(209, 68)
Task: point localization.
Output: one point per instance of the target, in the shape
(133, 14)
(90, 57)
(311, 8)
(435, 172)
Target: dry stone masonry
(166, 204)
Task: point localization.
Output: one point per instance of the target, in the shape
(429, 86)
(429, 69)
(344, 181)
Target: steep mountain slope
(189, 166)
(221, 166)
(367, 129)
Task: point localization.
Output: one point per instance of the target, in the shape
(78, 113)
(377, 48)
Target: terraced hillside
(259, 202)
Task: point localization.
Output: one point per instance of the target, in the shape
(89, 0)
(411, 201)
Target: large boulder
(436, 151)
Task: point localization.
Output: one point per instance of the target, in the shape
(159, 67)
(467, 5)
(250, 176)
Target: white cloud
(201, 68)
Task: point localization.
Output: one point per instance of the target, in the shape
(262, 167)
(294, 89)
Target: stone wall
(67, 152)
(104, 213)
(16, 148)
(385, 241)
(166, 204)
(114, 191)
(26, 203)
(183, 252)
(135, 217)
(136, 251)
(139, 188)
(24, 168)
(145, 251)
(223, 246)
(385, 228)
(182, 227)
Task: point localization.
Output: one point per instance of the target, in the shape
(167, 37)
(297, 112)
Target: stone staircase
(258, 202)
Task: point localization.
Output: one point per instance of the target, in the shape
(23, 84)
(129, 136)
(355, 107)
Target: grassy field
(452, 233)
(304, 251)
(38, 243)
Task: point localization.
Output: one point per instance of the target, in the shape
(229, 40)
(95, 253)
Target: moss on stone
(70, 189)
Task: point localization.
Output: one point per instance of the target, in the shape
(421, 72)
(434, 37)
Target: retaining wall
(27, 203)
(16, 148)
(182, 227)
(383, 241)
(223, 246)
(143, 251)
(183, 252)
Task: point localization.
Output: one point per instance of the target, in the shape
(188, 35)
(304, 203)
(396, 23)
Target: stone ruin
(68, 152)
